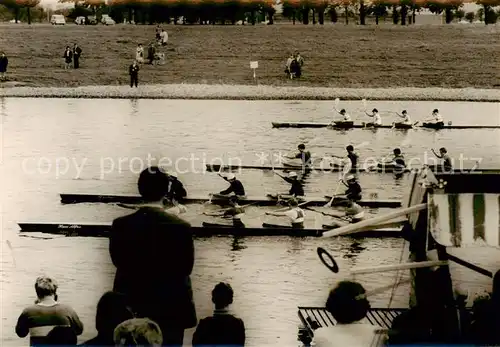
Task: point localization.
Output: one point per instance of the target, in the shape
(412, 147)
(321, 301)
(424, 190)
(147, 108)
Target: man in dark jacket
(77, 52)
(222, 329)
(133, 71)
(3, 66)
(153, 253)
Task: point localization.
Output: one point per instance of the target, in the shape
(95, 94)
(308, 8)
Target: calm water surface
(98, 146)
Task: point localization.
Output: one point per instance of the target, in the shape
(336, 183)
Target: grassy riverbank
(338, 56)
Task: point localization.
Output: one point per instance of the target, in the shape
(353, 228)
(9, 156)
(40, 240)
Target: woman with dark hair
(112, 310)
(348, 305)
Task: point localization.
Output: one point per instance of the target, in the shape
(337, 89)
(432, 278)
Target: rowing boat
(258, 201)
(341, 126)
(381, 168)
(209, 229)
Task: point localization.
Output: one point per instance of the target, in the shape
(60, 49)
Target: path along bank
(249, 92)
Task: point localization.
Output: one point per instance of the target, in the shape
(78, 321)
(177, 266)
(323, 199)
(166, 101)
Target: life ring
(334, 267)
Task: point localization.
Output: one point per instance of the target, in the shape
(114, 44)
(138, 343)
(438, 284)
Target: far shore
(249, 92)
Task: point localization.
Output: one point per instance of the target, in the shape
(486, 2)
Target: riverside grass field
(336, 55)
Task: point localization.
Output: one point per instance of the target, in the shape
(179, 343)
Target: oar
(286, 208)
(361, 226)
(336, 104)
(225, 209)
(323, 213)
(396, 267)
(364, 104)
(329, 204)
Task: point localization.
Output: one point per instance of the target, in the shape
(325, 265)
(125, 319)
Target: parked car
(80, 20)
(107, 20)
(57, 19)
(92, 20)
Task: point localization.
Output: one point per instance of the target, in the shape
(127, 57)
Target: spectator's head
(347, 302)
(153, 184)
(112, 309)
(67, 47)
(301, 147)
(45, 287)
(139, 45)
(62, 336)
(2, 54)
(349, 148)
(222, 295)
(138, 332)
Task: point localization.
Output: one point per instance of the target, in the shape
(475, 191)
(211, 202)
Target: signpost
(254, 65)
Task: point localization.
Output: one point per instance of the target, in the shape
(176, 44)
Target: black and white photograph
(293, 173)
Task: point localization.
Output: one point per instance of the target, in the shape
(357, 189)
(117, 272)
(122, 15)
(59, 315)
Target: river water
(51, 146)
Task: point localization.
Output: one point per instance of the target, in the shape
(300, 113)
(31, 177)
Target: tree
(379, 9)
(29, 4)
(290, 8)
(459, 14)
(490, 17)
(13, 6)
(470, 16)
(448, 6)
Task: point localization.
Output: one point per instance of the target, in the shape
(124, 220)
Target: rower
(353, 191)
(303, 154)
(351, 155)
(345, 115)
(406, 118)
(295, 214)
(176, 190)
(377, 120)
(436, 119)
(447, 162)
(235, 211)
(235, 187)
(297, 188)
(354, 213)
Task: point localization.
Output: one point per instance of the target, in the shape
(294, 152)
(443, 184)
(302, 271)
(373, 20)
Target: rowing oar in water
(329, 204)
(370, 223)
(216, 212)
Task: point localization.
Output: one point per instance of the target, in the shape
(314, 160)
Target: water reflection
(352, 251)
(134, 107)
(237, 244)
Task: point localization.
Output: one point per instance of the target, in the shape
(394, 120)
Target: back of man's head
(153, 183)
(222, 295)
(138, 332)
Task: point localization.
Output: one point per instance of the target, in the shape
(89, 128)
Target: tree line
(223, 12)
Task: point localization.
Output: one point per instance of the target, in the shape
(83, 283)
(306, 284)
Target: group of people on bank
(293, 66)
(72, 55)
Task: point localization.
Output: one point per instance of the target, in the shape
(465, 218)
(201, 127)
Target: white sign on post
(254, 65)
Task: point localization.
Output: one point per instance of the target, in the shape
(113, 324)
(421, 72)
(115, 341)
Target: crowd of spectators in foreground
(151, 303)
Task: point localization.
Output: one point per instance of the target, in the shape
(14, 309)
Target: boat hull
(383, 126)
(211, 229)
(258, 201)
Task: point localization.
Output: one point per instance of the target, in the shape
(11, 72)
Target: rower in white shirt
(436, 118)
(377, 120)
(405, 116)
(347, 117)
(295, 214)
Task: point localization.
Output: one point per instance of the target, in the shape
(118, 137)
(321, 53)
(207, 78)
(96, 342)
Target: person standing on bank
(68, 57)
(133, 71)
(3, 66)
(77, 52)
(153, 253)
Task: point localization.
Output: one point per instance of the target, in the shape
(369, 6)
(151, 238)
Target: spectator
(158, 33)
(133, 71)
(151, 53)
(139, 55)
(486, 317)
(39, 319)
(138, 332)
(112, 310)
(222, 328)
(163, 37)
(77, 52)
(3, 66)
(68, 56)
(153, 253)
(61, 336)
(348, 305)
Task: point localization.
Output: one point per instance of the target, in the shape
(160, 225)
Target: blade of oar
(357, 227)
(396, 267)
(336, 104)
(364, 104)
(329, 204)
(11, 252)
(321, 253)
(286, 208)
